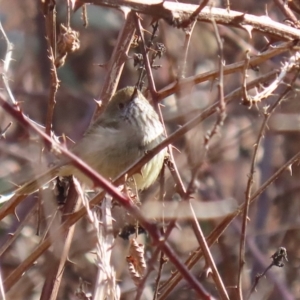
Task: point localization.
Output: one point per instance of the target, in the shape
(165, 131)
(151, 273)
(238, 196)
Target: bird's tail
(30, 186)
(38, 182)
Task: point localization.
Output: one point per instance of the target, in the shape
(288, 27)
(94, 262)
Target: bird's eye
(121, 105)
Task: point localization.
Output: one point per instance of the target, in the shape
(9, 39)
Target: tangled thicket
(226, 73)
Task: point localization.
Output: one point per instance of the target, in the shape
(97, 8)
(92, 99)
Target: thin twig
(244, 81)
(2, 292)
(162, 259)
(278, 257)
(146, 58)
(221, 108)
(209, 259)
(219, 122)
(187, 40)
(7, 60)
(180, 187)
(283, 6)
(84, 16)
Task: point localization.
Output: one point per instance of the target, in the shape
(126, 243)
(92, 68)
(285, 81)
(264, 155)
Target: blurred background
(224, 168)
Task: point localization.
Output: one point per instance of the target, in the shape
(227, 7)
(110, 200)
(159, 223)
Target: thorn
(208, 271)
(173, 147)
(98, 102)
(290, 169)
(16, 215)
(249, 29)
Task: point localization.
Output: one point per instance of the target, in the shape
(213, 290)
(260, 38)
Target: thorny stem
(162, 261)
(221, 109)
(50, 22)
(208, 257)
(244, 84)
(267, 115)
(116, 63)
(146, 62)
(146, 58)
(172, 13)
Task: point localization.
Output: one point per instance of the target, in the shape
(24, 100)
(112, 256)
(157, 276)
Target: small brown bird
(125, 131)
